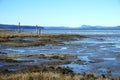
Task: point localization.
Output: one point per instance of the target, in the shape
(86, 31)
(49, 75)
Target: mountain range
(83, 27)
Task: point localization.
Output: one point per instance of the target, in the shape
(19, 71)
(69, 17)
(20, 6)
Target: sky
(71, 13)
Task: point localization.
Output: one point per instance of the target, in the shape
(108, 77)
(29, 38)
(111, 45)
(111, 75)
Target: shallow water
(100, 50)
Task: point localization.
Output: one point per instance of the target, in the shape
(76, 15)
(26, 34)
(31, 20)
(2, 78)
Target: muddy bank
(19, 61)
(43, 63)
(52, 73)
(26, 40)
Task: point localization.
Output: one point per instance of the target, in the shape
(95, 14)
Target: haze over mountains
(83, 27)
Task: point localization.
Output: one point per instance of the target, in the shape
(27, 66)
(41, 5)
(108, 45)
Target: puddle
(3, 47)
(63, 48)
(12, 70)
(2, 64)
(15, 50)
(83, 58)
(25, 58)
(25, 39)
(117, 46)
(30, 39)
(103, 48)
(109, 58)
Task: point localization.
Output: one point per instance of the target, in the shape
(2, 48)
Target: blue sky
(72, 13)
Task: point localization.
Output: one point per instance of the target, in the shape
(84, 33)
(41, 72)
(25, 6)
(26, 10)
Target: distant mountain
(88, 27)
(83, 27)
(6, 26)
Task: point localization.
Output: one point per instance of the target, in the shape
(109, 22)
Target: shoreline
(17, 40)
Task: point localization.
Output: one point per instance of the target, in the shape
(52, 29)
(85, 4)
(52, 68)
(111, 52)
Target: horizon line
(61, 25)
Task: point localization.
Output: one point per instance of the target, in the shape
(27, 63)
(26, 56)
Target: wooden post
(19, 28)
(40, 29)
(37, 29)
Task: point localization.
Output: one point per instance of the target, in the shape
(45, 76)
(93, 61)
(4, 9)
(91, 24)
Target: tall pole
(40, 29)
(37, 29)
(19, 27)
